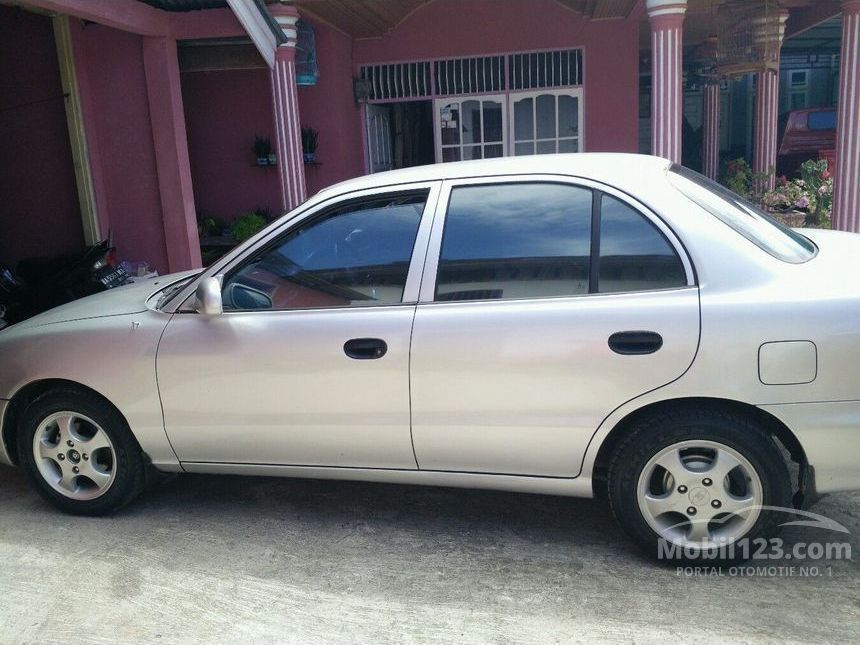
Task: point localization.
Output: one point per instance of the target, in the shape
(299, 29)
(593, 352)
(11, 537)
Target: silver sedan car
(566, 325)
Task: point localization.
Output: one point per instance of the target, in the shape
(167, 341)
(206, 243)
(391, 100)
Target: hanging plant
(310, 141)
(263, 151)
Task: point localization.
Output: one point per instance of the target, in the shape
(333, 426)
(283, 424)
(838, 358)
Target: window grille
(398, 80)
(485, 74)
(545, 69)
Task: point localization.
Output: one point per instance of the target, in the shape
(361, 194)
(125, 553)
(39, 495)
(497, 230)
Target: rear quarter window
(746, 219)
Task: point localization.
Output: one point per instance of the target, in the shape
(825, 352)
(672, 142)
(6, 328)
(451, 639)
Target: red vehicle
(809, 134)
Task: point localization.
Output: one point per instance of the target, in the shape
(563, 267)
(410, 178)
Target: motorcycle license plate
(113, 278)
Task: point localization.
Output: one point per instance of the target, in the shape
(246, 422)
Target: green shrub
(247, 225)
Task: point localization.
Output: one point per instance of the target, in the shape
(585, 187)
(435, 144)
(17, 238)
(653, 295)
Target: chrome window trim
(310, 209)
(428, 284)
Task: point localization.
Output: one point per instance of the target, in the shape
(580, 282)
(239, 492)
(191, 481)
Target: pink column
(766, 115)
(846, 199)
(161, 67)
(769, 39)
(285, 105)
(667, 42)
(711, 131)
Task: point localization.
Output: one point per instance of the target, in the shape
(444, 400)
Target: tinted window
(745, 218)
(634, 255)
(353, 255)
(822, 120)
(515, 241)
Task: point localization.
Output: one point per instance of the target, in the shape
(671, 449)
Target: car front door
(308, 363)
(546, 303)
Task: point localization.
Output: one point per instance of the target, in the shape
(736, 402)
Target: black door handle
(365, 348)
(635, 342)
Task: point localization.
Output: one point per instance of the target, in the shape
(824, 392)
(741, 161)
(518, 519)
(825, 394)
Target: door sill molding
(569, 487)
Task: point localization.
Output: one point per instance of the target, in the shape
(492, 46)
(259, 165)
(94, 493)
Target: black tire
(658, 431)
(129, 464)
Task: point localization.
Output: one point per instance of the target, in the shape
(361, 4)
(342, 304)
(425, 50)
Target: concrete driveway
(206, 559)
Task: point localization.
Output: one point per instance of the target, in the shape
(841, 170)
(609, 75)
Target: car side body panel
(275, 387)
(113, 356)
(519, 386)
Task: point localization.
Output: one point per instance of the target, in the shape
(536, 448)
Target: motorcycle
(10, 287)
(40, 284)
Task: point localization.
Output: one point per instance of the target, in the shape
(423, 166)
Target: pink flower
(803, 202)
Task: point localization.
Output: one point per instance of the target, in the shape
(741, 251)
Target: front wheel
(80, 453)
(698, 486)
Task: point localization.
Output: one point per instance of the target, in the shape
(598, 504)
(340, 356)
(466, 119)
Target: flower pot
(262, 161)
(273, 160)
(310, 157)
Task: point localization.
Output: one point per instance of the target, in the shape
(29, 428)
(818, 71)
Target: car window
(634, 254)
(355, 254)
(759, 228)
(515, 241)
(822, 120)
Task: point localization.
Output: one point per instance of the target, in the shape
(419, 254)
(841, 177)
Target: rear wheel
(693, 486)
(80, 453)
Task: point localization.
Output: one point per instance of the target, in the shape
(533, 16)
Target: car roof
(811, 110)
(607, 167)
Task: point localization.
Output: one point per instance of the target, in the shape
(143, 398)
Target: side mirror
(209, 297)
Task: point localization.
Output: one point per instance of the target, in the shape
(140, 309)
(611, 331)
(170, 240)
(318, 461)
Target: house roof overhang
(375, 18)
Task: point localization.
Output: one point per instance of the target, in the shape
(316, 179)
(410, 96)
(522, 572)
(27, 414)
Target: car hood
(127, 299)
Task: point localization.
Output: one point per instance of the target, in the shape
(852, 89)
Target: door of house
(380, 142)
(546, 121)
(471, 127)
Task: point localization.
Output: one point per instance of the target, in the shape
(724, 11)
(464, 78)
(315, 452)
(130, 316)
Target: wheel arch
(771, 424)
(29, 393)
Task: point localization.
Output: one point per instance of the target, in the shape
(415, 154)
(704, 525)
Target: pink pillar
(667, 42)
(161, 66)
(769, 38)
(846, 199)
(288, 130)
(711, 131)
(766, 115)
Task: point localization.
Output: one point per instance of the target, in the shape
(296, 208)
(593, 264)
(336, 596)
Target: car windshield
(759, 228)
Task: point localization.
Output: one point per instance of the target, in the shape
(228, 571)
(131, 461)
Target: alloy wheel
(74, 455)
(699, 494)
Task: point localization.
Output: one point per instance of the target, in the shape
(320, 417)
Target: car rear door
(546, 303)
(308, 363)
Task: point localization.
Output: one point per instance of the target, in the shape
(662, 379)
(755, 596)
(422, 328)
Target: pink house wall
(481, 26)
(329, 108)
(117, 121)
(39, 212)
(224, 110)
(455, 28)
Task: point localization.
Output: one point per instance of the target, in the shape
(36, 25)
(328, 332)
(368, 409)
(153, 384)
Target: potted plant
(263, 151)
(310, 140)
(806, 201)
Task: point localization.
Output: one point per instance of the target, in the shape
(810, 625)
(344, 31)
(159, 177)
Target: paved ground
(240, 560)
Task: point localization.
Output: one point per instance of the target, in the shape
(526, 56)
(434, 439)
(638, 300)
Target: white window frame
(576, 92)
(461, 98)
